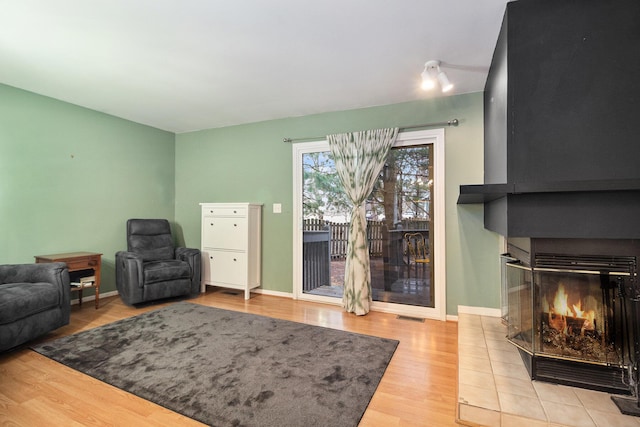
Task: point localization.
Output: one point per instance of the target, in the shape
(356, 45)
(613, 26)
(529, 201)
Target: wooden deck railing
(324, 241)
(316, 259)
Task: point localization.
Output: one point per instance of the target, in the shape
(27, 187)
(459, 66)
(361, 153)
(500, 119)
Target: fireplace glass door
(519, 290)
(572, 312)
(576, 316)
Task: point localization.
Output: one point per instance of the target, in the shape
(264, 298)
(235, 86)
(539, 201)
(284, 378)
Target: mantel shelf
(483, 193)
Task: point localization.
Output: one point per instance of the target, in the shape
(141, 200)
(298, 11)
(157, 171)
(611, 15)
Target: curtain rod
(452, 122)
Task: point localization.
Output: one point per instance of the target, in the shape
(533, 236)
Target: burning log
(568, 330)
(568, 325)
(557, 322)
(562, 316)
(574, 343)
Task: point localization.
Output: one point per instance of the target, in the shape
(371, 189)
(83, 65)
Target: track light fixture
(431, 73)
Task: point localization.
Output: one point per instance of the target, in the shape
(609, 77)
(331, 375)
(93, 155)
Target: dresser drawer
(82, 264)
(225, 211)
(224, 233)
(227, 267)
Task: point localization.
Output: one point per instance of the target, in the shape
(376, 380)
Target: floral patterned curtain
(359, 158)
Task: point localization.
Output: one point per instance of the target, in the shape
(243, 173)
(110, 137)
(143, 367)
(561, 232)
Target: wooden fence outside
(339, 234)
(324, 241)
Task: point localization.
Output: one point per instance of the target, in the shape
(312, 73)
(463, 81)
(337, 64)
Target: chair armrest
(129, 268)
(184, 253)
(129, 277)
(128, 255)
(194, 259)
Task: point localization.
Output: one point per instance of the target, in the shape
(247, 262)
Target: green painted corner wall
(250, 163)
(70, 177)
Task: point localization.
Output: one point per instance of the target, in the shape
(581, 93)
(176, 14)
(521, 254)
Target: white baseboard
(273, 293)
(480, 311)
(93, 297)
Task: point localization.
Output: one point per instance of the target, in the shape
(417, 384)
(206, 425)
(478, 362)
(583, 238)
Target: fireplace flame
(561, 302)
(560, 310)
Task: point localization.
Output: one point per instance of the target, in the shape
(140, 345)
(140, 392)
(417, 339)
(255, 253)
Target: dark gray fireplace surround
(562, 122)
(562, 132)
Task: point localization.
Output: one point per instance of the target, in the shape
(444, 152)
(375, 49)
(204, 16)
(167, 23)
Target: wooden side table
(77, 261)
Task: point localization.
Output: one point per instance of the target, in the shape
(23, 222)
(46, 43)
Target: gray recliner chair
(152, 268)
(34, 300)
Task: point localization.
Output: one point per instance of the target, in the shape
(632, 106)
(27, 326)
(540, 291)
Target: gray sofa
(34, 300)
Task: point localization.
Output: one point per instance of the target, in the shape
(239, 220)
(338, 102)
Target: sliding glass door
(404, 226)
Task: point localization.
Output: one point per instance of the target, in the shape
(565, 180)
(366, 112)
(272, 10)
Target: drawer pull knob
(235, 225)
(235, 259)
(210, 257)
(235, 211)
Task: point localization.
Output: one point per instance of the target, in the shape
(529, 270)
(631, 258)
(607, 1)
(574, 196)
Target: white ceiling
(184, 65)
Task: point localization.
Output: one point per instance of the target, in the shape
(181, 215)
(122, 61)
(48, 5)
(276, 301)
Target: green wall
(250, 163)
(70, 177)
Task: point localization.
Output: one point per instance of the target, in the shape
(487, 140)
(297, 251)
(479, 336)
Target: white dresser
(231, 245)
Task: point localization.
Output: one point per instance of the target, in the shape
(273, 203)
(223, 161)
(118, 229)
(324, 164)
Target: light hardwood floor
(418, 388)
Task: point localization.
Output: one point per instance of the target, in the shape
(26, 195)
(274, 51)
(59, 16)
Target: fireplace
(572, 310)
(562, 184)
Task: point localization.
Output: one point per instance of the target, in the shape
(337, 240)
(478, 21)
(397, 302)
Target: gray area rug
(226, 368)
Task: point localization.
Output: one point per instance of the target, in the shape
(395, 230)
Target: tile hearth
(494, 388)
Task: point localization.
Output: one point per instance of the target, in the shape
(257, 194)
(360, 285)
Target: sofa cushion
(162, 271)
(161, 290)
(20, 300)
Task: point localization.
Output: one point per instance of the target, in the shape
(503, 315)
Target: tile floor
(494, 388)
